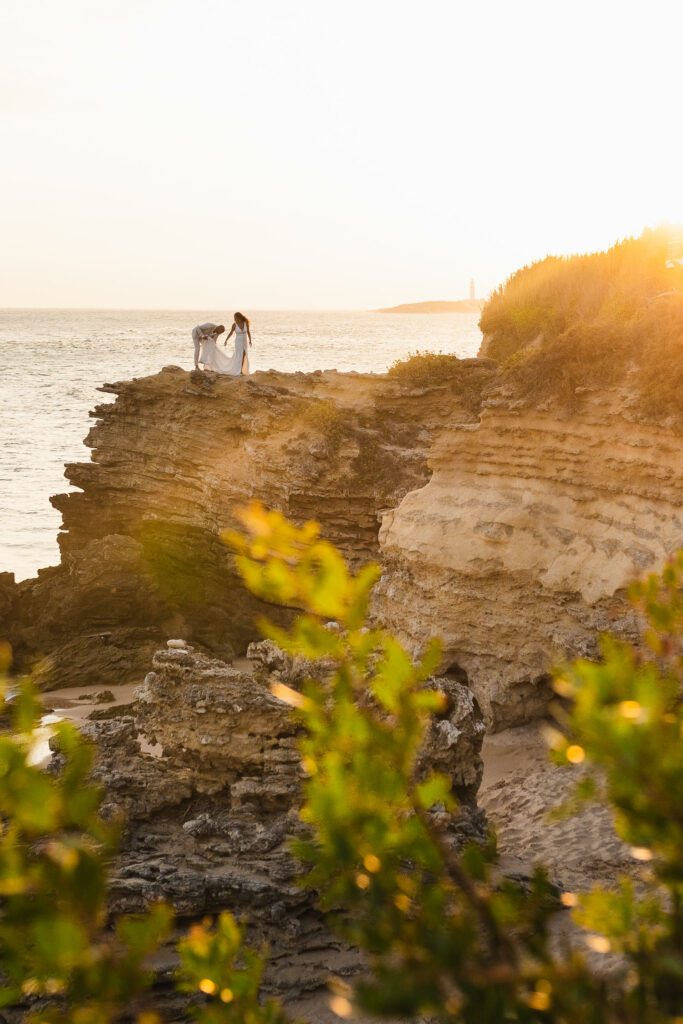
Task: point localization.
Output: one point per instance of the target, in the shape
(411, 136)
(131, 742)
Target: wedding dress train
(220, 362)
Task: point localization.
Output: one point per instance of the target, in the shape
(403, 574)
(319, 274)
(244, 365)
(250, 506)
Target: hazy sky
(315, 153)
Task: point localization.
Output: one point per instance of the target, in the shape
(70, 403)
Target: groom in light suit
(200, 334)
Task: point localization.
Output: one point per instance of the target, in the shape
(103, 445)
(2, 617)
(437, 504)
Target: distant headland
(458, 306)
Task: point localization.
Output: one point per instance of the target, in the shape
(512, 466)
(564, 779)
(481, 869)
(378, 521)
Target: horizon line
(180, 309)
(198, 309)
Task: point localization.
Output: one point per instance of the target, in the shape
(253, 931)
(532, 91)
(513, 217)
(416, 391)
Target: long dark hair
(243, 318)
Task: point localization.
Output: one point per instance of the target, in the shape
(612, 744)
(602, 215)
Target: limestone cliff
(172, 458)
(519, 547)
(509, 531)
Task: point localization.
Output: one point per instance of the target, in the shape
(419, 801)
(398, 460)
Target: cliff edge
(507, 529)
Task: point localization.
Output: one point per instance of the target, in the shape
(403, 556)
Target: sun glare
(323, 155)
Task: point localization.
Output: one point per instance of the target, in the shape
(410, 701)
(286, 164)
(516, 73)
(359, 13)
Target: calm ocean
(52, 361)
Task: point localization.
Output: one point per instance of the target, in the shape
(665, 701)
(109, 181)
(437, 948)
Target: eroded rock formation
(171, 460)
(511, 532)
(204, 769)
(521, 544)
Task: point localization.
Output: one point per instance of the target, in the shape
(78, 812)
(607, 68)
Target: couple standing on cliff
(207, 353)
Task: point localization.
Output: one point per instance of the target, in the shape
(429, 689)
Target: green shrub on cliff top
(426, 369)
(583, 321)
(436, 369)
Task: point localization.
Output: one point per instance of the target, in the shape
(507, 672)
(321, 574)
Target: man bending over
(205, 332)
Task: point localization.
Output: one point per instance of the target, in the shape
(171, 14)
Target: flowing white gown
(220, 362)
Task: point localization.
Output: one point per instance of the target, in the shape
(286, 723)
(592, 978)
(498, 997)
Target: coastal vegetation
(446, 937)
(445, 934)
(326, 419)
(564, 325)
(465, 378)
(425, 369)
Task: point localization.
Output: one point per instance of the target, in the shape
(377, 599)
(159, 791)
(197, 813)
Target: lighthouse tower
(473, 293)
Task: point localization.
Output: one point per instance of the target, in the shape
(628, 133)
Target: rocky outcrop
(171, 460)
(508, 530)
(8, 595)
(204, 770)
(520, 546)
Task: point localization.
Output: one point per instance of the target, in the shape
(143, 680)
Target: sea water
(53, 361)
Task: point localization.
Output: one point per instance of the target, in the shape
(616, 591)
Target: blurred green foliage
(625, 722)
(447, 938)
(58, 952)
(216, 961)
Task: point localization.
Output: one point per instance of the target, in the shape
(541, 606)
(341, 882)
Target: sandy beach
(520, 789)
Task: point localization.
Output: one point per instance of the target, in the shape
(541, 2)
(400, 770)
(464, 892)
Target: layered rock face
(204, 768)
(173, 457)
(519, 547)
(510, 532)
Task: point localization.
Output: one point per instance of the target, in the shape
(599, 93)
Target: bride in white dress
(221, 362)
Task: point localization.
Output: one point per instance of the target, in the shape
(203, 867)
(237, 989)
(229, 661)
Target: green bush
(660, 362)
(325, 418)
(436, 369)
(565, 324)
(424, 369)
(216, 961)
(444, 935)
(58, 951)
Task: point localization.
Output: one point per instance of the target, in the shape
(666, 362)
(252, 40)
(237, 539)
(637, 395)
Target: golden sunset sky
(299, 154)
